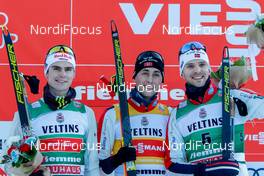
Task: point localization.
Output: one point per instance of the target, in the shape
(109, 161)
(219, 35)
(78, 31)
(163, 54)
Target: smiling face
(148, 81)
(196, 72)
(60, 76)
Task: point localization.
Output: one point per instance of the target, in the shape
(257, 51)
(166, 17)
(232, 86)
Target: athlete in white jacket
(66, 129)
(194, 129)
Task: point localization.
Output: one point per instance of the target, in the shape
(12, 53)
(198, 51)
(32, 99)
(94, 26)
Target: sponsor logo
(174, 25)
(211, 90)
(151, 148)
(77, 104)
(144, 121)
(202, 113)
(204, 154)
(35, 105)
(208, 160)
(256, 137)
(141, 147)
(15, 75)
(197, 55)
(63, 159)
(65, 128)
(91, 93)
(58, 169)
(250, 96)
(183, 104)
(62, 56)
(146, 132)
(1, 144)
(151, 172)
(204, 124)
(261, 138)
(148, 64)
(161, 107)
(60, 118)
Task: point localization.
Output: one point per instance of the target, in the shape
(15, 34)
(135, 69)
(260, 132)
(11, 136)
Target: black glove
(218, 168)
(123, 155)
(38, 173)
(33, 83)
(241, 106)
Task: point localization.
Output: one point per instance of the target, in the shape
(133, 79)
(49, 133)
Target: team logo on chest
(211, 90)
(144, 121)
(60, 118)
(77, 104)
(202, 113)
(161, 108)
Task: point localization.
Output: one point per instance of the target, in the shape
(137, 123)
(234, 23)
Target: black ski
(18, 83)
(227, 122)
(123, 105)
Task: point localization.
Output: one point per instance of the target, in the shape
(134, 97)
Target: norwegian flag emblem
(197, 55)
(148, 64)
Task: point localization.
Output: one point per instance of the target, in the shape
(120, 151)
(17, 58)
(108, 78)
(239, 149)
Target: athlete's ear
(74, 73)
(183, 76)
(46, 74)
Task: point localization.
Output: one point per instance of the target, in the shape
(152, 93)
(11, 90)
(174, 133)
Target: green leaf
(241, 62)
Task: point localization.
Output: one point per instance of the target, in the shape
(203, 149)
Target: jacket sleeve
(91, 153)
(175, 158)
(107, 136)
(254, 104)
(15, 129)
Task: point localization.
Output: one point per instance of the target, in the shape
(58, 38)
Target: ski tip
(225, 52)
(4, 29)
(113, 26)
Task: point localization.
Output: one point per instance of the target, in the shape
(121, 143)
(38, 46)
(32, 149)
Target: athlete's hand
(123, 155)
(219, 168)
(27, 168)
(22, 157)
(126, 154)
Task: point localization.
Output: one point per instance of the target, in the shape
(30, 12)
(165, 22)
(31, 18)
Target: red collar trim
(141, 107)
(210, 92)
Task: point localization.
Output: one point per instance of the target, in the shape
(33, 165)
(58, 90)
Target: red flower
(11, 149)
(24, 148)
